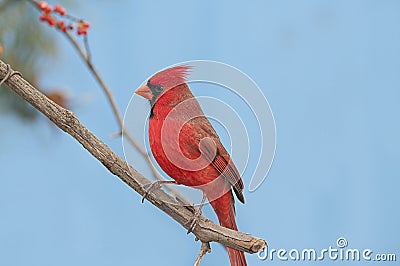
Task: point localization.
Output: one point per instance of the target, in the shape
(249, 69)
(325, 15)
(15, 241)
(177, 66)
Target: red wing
(225, 166)
(215, 152)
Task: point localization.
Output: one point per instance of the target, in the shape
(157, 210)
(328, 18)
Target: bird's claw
(155, 185)
(149, 187)
(9, 74)
(194, 220)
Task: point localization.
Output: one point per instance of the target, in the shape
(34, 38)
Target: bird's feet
(196, 216)
(154, 186)
(9, 74)
(194, 220)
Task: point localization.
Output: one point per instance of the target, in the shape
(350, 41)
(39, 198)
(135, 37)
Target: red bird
(188, 149)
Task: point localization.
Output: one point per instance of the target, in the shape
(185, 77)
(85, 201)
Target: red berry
(83, 27)
(82, 31)
(42, 5)
(57, 7)
(71, 27)
(42, 17)
(47, 9)
(51, 21)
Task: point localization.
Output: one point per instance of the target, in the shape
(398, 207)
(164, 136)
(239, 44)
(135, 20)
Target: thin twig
(204, 249)
(205, 231)
(101, 83)
(73, 18)
(119, 118)
(106, 90)
(87, 48)
(86, 57)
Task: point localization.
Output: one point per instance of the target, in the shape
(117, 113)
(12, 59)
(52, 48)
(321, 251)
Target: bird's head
(163, 81)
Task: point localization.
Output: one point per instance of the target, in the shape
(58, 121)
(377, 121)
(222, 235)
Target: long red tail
(225, 209)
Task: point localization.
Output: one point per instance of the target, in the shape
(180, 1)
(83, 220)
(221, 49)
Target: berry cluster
(49, 15)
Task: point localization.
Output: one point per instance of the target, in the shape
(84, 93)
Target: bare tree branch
(85, 54)
(204, 249)
(87, 59)
(206, 231)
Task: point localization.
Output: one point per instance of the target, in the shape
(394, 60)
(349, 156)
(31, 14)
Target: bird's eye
(157, 89)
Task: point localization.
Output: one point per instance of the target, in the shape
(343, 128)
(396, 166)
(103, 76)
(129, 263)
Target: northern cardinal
(188, 149)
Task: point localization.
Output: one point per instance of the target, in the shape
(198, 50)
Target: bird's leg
(9, 74)
(197, 213)
(155, 185)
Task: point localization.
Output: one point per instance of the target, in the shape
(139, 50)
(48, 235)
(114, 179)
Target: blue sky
(330, 72)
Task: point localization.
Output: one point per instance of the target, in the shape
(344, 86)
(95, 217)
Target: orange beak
(145, 92)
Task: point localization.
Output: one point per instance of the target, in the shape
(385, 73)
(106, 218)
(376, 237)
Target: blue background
(330, 71)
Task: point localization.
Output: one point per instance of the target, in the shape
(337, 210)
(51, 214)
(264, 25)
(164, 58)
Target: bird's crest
(171, 77)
